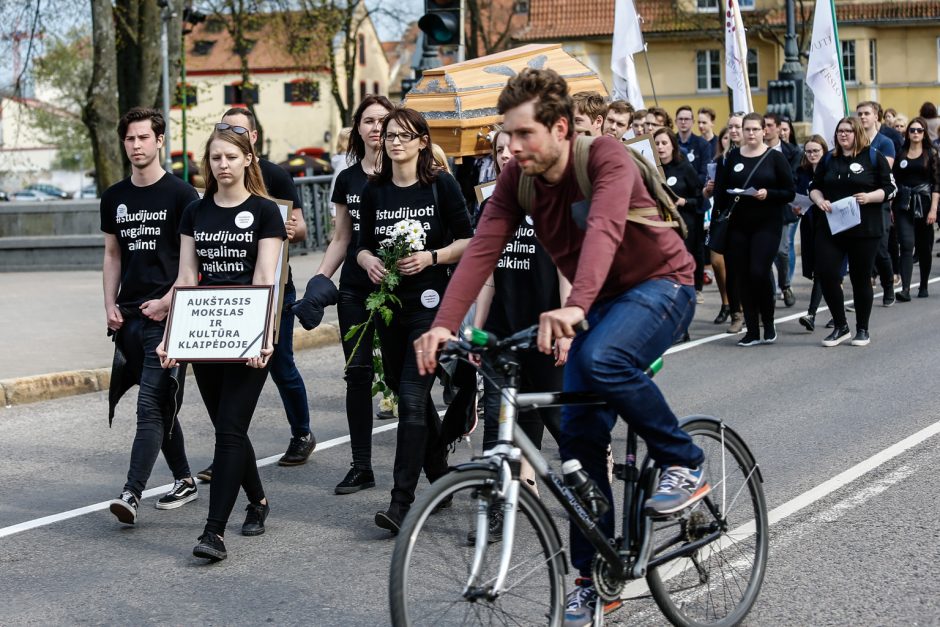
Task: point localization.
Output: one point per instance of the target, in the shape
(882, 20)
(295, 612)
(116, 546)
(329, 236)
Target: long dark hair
(410, 120)
(677, 155)
(357, 145)
(933, 159)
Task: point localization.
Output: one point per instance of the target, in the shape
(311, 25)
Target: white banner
(824, 73)
(736, 58)
(628, 40)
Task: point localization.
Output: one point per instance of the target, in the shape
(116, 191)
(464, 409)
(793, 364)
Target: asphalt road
(843, 552)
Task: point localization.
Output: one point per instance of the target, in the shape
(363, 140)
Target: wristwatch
(433, 257)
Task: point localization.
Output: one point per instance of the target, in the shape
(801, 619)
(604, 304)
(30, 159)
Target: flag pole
(649, 69)
(835, 32)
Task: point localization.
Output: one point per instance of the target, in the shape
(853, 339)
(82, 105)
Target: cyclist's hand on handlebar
(426, 348)
(562, 347)
(557, 323)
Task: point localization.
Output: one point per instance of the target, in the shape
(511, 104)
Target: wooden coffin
(459, 100)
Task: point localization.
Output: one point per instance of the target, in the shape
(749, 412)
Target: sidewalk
(53, 322)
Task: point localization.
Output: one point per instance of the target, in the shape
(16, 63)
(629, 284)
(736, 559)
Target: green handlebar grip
(656, 366)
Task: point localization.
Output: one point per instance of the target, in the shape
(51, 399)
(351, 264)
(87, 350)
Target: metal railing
(314, 195)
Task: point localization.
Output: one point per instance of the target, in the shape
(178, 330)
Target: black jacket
(839, 177)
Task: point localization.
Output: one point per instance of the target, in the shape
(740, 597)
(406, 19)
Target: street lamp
(166, 14)
(786, 94)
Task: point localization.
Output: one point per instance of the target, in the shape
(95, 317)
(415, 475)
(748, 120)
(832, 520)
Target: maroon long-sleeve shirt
(607, 259)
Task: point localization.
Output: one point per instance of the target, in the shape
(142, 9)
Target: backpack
(665, 208)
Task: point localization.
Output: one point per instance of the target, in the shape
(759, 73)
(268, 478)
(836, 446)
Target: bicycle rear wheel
(718, 583)
(433, 558)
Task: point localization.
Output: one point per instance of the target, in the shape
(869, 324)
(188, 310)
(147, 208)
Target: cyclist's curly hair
(549, 91)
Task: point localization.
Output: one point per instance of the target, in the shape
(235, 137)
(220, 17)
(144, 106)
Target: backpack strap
(582, 151)
(525, 194)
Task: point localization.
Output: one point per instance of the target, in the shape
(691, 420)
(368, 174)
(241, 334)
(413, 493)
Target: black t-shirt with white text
(227, 237)
(348, 191)
(526, 282)
(146, 221)
(383, 205)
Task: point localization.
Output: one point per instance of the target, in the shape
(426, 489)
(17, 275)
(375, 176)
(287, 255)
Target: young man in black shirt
(284, 371)
(140, 219)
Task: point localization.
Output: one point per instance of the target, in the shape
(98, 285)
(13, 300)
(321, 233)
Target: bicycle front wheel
(718, 582)
(434, 553)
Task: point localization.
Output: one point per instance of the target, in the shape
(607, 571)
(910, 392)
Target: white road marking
(779, 513)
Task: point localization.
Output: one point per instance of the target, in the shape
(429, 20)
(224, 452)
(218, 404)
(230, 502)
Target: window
(520, 6)
(707, 5)
(362, 90)
(872, 61)
(375, 88)
(752, 75)
(202, 47)
(848, 61)
(362, 49)
(708, 69)
(191, 99)
(236, 94)
(746, 5)
(302, 92)
(215, 24)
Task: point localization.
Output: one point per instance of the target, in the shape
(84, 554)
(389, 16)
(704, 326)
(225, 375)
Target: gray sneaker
(679, 487)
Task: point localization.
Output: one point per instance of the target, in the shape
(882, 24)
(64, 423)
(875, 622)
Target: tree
(139, 58)
(489, 26)
(100, 112)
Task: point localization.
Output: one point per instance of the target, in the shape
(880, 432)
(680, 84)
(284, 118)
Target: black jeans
(695, 244)
(157, 425)
(884, 266)
(417, 446)
(830, 252)
(750, 258)
(230, 392)
(351, 310)
(539, 374)
(914, 234)
(284, 373)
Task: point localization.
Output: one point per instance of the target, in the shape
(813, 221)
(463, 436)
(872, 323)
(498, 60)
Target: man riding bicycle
(632, 283)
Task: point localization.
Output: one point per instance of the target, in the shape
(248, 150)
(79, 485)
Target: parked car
(32, 195)
(89, 191)
(4, 196)
(49, 190)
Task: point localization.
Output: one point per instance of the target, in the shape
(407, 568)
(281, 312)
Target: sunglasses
(915, 130)
(238, 130)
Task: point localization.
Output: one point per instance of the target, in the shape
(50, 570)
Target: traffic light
(441, 22)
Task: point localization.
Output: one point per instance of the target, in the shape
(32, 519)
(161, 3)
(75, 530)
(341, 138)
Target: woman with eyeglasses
(729, 137)
(364, 157)
(683, 180)
(852, 169)
(813, 151)
(917, 174)
(753, 186)
(232, 236)
(410, 185)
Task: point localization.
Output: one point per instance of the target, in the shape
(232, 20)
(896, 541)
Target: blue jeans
(157, 425)
(286, 377)
(626, 335)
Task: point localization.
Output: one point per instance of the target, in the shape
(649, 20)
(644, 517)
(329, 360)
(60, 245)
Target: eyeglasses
(844, 131)
(403, 137)
(753, 129)
(813, 151)
(915, 130)
(239, 130)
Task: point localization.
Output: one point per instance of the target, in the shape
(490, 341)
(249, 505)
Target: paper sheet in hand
(737, 191)
(844, 215)
(711, 167)
(803, 202)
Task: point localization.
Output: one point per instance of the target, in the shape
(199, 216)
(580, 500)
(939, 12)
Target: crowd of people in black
(744, 191)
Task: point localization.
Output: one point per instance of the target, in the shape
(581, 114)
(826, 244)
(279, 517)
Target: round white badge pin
(856, 168)
(903, 163)
(430, 299)
(244, 219)
(671, 181)
(738, 167)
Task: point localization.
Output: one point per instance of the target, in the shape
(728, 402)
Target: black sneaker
(391, 519)
(385, 414)
(837, 336)
(254, 519)
(298, 451)
(356, 479)
(749, 340)
(210, 547)
(861, 338)
(205, 475)
(181, 494)
(903, 296)
(888, 299)
(495, 531)
(788, 298)
(809, 322)
(770, 335)
(125, 507)
(831, 324)
(922, 293)
(723, 314)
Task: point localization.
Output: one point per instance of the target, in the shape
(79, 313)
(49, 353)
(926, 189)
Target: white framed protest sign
(643, 144)
(226, 323)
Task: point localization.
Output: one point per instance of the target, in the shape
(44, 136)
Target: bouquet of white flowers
(406, 238)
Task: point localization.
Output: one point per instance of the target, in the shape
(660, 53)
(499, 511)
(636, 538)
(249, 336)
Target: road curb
(46, 387)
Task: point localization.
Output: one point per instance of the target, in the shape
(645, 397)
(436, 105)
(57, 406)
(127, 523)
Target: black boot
(723, 314)
(392, 518)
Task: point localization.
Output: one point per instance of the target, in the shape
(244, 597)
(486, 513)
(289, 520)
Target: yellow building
(290, 85)
(891, 49)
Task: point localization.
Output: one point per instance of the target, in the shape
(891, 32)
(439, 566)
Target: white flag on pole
(628, 40)
(736, 58)
(824, 73)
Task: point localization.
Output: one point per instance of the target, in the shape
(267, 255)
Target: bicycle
(704, 565)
